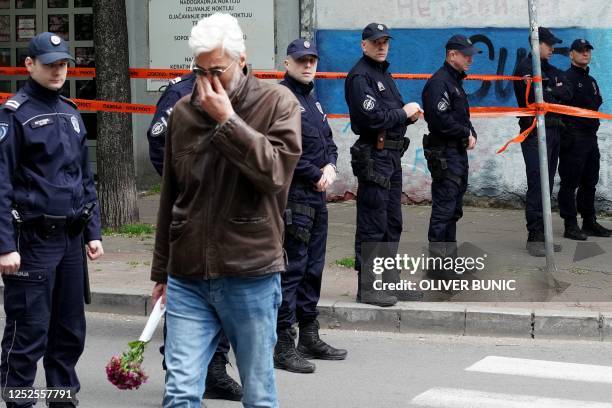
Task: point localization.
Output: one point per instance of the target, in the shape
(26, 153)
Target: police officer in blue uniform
(451, 134)
(380, 118)
(48, 213)
(219, 385)
(156, 135)
(556, 90)
(306, 222)
(579, 157)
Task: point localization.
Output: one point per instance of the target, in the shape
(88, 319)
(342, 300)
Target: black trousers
(579, 171)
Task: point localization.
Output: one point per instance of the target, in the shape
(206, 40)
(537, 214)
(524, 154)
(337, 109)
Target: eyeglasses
(213, 72)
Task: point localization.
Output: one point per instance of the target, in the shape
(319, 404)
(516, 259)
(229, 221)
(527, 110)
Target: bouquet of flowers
(125, 371)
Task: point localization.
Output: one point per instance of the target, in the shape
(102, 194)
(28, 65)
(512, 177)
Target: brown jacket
(224, 188)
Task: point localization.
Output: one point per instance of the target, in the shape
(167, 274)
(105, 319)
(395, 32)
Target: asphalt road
(386, 370)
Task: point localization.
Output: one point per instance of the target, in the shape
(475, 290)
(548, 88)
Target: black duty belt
(301, 209)
(394, 144)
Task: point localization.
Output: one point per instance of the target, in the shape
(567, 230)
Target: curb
(430, 318)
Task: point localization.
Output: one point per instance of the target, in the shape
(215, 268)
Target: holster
(296, 231)
(80, 223)
(436, 160)
(363, 165)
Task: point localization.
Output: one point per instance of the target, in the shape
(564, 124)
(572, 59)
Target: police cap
(300, 47)
(374, 31)
(546, 36)
(462, 44)
(48, 48)
(581, 44)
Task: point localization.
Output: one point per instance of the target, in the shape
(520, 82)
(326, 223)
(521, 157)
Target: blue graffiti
(422, 51)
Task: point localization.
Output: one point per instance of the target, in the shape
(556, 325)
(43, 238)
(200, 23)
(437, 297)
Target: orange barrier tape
(520, 138)
(154, 73)
(103, 106)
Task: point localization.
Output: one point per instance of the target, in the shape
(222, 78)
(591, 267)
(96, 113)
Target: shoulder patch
(4, 127)
(158, 128)
(15, 102)
(69, 101)
(369, 103)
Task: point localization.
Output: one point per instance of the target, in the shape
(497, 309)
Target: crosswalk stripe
(543, 369)
(457, 398)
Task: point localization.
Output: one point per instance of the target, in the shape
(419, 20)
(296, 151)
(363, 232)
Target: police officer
(48, 211)
(219, 385)
(579, 157)
(451, 134)
(380, 117)
(306, 221)
(156, 135)
(556, 90)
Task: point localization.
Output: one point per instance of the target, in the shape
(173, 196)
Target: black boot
(393, 276)
(367, 294)
(535, 244)
(219, 385)
(593, 228)
(572, 231)
(286, 356)
(311, 346)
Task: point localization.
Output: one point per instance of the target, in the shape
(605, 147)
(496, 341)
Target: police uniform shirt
(156, 135)
(44, 161)
(374, 101)
(446, 106)
(586, 94)
(555, 85)
(318, 147)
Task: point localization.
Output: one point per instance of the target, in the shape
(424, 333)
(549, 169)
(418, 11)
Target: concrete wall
(287, 21)
(420, 30)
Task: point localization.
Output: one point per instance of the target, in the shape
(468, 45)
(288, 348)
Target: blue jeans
(196, 311)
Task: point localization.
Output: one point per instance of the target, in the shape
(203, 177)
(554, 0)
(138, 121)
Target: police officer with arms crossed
(579, 157)
(380, 117)
(556, 90)
(306, 221)
(48, 210)
(219, 385)
(447, 113)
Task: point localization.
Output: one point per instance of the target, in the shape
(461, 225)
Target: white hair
(219, 30)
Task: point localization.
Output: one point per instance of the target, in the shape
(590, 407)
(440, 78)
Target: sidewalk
(120, 281)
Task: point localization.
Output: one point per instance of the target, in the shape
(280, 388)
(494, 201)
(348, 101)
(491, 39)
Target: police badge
(75, 124)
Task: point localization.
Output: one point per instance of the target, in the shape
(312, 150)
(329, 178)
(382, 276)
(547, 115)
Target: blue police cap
(581, 44)
(300, 47)
(547, 36)
(462, 44)
(48, 48)
(374, 31)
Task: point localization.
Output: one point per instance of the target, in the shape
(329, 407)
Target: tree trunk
(115, 149)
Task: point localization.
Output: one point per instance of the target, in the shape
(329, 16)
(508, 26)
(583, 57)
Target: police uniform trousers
(533, 207)
(447, 193)
(379, 205)
(578, 169)
(305, 241)
(44, 308)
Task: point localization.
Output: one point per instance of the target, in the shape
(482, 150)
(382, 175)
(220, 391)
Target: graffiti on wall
(422, 51)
